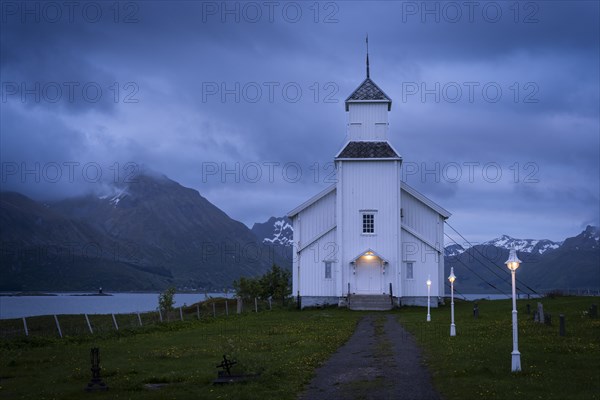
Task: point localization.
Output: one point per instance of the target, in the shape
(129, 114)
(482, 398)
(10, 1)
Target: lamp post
(513, 263)
(428, 299)
(452, 278)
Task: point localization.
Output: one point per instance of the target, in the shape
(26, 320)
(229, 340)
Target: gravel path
(380, 361)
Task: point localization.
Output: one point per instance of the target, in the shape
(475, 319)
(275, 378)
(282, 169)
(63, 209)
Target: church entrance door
(368, 275)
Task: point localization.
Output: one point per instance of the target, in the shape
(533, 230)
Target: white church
(369, 241)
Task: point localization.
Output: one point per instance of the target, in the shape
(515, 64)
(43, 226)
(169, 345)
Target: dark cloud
(188, 85)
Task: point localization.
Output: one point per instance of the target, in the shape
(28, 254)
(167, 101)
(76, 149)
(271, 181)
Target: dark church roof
(368, 150)
(369, 91)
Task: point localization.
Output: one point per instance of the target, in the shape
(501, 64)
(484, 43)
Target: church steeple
(368, 75)
(368, 91)
(368, 108)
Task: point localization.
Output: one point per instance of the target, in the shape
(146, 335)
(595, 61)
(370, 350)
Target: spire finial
(368, 56)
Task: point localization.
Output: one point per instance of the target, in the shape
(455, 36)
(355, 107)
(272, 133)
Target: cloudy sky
(495, 104)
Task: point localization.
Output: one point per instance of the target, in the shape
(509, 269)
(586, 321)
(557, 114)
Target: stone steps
(369, 302)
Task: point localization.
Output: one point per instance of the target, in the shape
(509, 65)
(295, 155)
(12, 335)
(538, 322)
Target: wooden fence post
(115, 322)
(88, 324)
(139, 319)
(214, 311)
(239, 305)
(270, 306)
(58, 326)
(198, 310)
(255, 304)
(180, 313)
(226, 308)
(25, 327)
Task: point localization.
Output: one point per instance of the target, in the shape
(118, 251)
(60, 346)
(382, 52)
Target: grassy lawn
(284, 346)
(476, 363)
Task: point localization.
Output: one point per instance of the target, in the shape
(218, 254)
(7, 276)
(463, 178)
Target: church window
(409, 270)
(368, 223)
(327, 269)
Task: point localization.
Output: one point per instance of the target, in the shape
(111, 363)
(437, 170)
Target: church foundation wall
(420, 301)
(319, 301)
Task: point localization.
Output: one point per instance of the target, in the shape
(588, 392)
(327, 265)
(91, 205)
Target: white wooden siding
(312, 267)
(315, 219)
(426, 264)
(421, 219)
(370, 185)
(368, 121)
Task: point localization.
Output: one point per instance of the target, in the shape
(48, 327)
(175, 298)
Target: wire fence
(72, 325)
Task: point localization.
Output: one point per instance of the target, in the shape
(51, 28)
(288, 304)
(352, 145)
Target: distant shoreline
(42, 294)
(82, 293)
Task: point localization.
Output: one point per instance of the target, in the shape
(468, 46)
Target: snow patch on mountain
(453, 250)
(282, 234)
(591, 236)
(524, 245)
(115, 196)
(277, 231)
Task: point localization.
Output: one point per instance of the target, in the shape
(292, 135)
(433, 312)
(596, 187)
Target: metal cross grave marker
(96, 383)
(226, 365)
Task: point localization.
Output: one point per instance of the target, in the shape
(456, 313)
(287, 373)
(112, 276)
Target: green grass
(283, 346)
(477, 362)
(286, 346)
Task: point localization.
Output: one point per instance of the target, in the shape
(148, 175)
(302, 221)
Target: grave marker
(540, 313)
(225, 376)
(96, 383)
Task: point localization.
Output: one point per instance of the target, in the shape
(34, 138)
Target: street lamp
(452, 278)
(428, 298)
(513, 263)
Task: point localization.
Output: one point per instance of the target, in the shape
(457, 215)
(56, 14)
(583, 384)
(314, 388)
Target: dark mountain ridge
(147, 234)
(546, 265)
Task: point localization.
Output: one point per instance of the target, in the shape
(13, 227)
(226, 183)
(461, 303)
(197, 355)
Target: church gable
(425, 201)
(314, 218)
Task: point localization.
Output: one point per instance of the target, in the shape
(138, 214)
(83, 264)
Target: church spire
(368, 56)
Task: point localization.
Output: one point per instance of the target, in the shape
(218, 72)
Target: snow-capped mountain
(530, 246)
(545, 263)
(524, 245)
(453, 250)
(278, 234)
(276, 231)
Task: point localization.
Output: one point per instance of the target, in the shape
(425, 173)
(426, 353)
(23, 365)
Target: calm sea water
(68, 303)
(120, 303)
